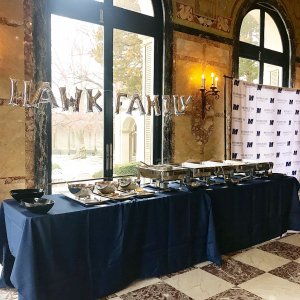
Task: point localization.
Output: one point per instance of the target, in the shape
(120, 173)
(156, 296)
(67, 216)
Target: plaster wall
(12, 119)
(193, 57)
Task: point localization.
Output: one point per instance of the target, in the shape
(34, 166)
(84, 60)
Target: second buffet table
(75, 252)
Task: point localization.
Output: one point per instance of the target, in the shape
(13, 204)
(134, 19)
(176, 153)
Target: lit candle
(203, 82)
(217, 81)
(212, 79)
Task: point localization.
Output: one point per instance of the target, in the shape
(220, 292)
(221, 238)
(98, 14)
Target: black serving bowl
(21, 194)
(38, 205)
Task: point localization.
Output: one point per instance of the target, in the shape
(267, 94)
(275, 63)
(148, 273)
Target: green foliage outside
(127, 57)
(126, 169)
(121, 170)
(248, 69)
(98, 174)
(55, 166)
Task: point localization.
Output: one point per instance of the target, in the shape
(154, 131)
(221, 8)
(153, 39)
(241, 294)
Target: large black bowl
(38, 205)
(21, 194)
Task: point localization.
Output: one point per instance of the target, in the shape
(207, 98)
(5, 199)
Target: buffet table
(76, 252)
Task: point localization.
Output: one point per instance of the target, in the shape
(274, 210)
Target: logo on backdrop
(278, 111)
(278, 154)
(250, 121)
(258, 110)
(249, 144)
(251, 97)
(258, 156)
(297, 112)
(271, 122)
(271, 144)
(272, 100)
(295, 152)
(291, 101)
(294, 173)
(235, 131)
(288, 164)
(235, 106)
(257, 133)
(290, 122)
(278, 133)
(296, 132)
(234, 155)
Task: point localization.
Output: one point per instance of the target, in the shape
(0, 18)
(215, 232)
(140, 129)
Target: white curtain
(266, 125)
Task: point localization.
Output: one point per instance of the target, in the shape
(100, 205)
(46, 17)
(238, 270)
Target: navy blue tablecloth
(254, 211)
(75, 252)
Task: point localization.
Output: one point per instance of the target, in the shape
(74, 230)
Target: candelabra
(211, 92)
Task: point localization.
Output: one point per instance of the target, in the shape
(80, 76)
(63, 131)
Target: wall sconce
(211, 92)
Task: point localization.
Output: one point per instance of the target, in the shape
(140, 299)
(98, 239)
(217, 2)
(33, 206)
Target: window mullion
(108, 91)
(261, 46)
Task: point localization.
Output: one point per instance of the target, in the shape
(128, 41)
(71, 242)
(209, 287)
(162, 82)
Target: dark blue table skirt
(75, 252)
(254, 212)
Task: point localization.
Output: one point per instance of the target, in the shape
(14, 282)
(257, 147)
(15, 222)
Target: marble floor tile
(159, 291)
(233, 271)
(271, 287)
(261, 259)
(282, 249)
(235, 294)
(8, 294)
(198, 284)
(177, 273)
(137, 285)
(290, 271)
(293, 239)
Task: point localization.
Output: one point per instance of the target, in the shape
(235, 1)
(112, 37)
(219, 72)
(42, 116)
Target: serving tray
(87, 201)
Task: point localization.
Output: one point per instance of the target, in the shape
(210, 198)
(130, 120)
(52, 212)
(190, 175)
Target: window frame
(260, 53)
(98, 13)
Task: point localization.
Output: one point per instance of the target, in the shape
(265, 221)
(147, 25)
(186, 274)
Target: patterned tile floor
(268, 271)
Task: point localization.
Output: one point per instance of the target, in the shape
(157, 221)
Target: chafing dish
(163, 172)
(203, 169)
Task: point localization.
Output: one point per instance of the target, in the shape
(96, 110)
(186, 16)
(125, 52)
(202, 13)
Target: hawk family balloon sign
(172, 104)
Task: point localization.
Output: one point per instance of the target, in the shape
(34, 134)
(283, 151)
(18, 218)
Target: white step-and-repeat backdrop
(266, 125)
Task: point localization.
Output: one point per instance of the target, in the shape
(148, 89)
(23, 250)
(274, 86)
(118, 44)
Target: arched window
(103, 47)
(264, 48)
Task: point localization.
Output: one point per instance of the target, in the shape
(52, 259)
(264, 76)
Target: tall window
(100, 49)
(264, 50)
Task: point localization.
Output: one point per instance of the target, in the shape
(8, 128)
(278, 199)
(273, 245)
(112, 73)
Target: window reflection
(272, 75)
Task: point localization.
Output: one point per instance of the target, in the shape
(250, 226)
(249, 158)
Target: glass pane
(141, 6)
(250, 29)
(249, 70)
(99, 0)
(272, 35)
(133, 74)
(77, 136)
(272, 75)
